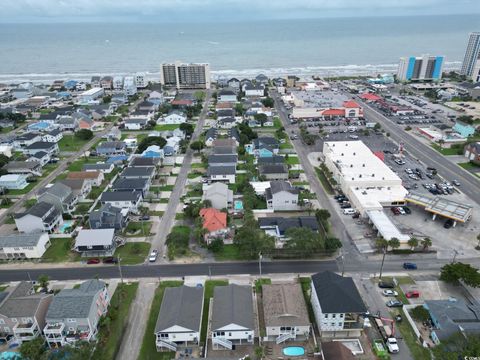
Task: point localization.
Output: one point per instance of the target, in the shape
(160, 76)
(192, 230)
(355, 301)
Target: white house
(222, 173)
(23, 246)
(13, 182)
(140, 80)
(337, 305)
(282, 196)
(252, 90)
(89, 96)
(129, 86)
(232, 318)
(175, 117)
(227, 95)
(155, 97)
(127, 200)
(135, 124)
(41, 217)
(180, 318)
(53, 136)
(219, 195)
(117, 82)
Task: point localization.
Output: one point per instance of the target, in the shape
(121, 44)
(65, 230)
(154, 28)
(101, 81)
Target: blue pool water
(238, 205)
(294, 351)
(10, 355)
(66, 224)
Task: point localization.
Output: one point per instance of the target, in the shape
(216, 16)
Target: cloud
(12, 9)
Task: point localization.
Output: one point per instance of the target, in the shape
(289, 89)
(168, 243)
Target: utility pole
(120, 270)
(383, 260)
(455, 253)
(260, 264)
(343, 264)
(209, 271)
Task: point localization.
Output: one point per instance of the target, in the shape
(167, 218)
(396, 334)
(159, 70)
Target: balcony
(26, 332)
(54, 329)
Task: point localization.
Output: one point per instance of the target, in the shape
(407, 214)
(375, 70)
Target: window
(333, 316)
(342, 315)
(14, 320)
(71, 320)
(2, 321)
(332, 324)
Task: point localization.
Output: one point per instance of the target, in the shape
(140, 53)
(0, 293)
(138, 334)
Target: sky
(220, 10)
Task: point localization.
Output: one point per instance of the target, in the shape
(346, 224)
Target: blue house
(118, 159)
(463, 129)
(70, 84)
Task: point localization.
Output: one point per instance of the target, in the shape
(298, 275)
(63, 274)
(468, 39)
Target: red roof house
(214, 221)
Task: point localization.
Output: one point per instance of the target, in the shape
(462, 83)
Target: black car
(345, 206)
(386, 285)
(110, 260)
(407, 210)
(448, 224)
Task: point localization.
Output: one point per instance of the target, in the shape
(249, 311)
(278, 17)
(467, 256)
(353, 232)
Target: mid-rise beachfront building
(91, 95)
(141, 80)
(185, 76)
(423, 68)
(471, 61)
(129, 86)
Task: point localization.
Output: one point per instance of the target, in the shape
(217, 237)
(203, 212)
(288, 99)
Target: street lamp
(260, 263)
(455, 253)
(383, 261)
(120, 269)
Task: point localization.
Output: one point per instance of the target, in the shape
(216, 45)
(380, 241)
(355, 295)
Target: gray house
(109, 148)
(24, 168)
(180, 318)
(22, 312)
(282, 196)
(131, 184)
(74, 314)
(95, 242)
(107, 217)
(219, 195)
(273, 171)
(232, 318)
(40, 217)
(138, 172)
(102, 167)
(223, 160)
(50, 148)
(59, 195)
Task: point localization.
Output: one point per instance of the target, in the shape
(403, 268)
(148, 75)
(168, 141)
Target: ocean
(331, 46)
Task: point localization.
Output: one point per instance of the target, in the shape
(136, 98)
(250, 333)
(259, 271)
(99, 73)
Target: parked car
(395, 211)
(388, 292)
(407, 210)
(412, 294)
(345, 205)
(455, 182)
(394, 303)
(401, 211)
(448, 224)
(93, 261)
(110, 260)
(348, 211)
(153, 255)
(386, 285)
(144, 218)
(409, 266)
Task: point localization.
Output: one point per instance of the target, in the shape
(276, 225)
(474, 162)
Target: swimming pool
(66, 224)
(10, 355)
(238, 205)
(294, 351)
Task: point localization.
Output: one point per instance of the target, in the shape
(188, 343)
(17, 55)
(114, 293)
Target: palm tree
(43, 281)
(426, 243)
(413, 243)
(381, 244)
(394, 243)
(441, 142)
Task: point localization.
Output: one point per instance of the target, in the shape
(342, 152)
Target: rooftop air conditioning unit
(373, 175)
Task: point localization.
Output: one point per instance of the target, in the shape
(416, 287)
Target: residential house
(180, 318)
(109, 148)
(41, 157)
(277, 226)
(282, 196)
(48, 147)
(219, 195)
(30, 168)
(234, 84)
(273, 171)
(452, 316)
(27, 139)
(95, 242)
(261, 79)
(225, 113)
(285, 313)
(155, 97)
(335, 350)
(265, 146)
(139, 161)
(106, 82)
(107, 217)
(95, 81)
(129, 200)
(175, 117)
(119, 98)
(13, 182)
(67, 123)
(234, 135)
(226, 123)
(147, 105)
(118, 82)
(20, 93)
(153, 151)
(232, 318)
(136, 124)
(74, 314)
(337, 305)
(114, 134)
(224, 146)
(223, 160)
(143, 114)
(22, 312)
(122, 184)
(41, 126)
(210, 136)
(59, 195)
(273, 160)
(100, 111)
(95, 178)
(138, 172)
(41, 217)
(253, 90)
(102, 167)
(227, 95)
(23, 246)
(465, 130)
(53, 136)
(215, 224)
(80, 187)
(222, 173)
(6, 149)
(472, 152)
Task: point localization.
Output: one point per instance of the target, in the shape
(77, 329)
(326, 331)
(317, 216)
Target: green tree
(453, 273)
(261, 118)
(322, 216)
(441, 142)
(84, 134)
(107, 99)
(239, 109)
(413, 243)
(187, 128)
(43, 281)
(199, 96)
(34, 349)
(216, 245)
(251, 240)
(394, 243)
(149, 141)
(304, 241)
(420, 314)
(458, 346)
(197, 145)
(381, 244)
(332, 243)
(426, 243)
(268, 102)
(3, 160)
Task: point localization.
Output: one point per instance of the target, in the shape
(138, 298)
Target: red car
(412, 294)
(93, 261)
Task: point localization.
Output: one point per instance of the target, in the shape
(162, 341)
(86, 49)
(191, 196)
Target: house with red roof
(215, 224)
(352, 109)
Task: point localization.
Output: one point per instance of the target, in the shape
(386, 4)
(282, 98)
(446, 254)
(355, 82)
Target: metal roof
(385, 227)
(232, 304)
(441, 206)
(20, 240)
(87, 237)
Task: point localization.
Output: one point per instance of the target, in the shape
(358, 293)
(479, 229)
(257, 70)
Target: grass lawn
(164, 201)
(166, 127)
(199, 166)
(155, 213)
(133, 253)
(286, 145)
(60, 251)
(469, 166)
(293, 160)
(137, 229)
(78, 164)
(229, 252)
(47, 169)
(148, 350)
(71, 143)
(194, 175)
(27, 189)
(445, 151)
(110, 337)
(166, 188)
(260, 282)
(305, 283)
(208, 294)
(277, 123)
(179, 216)
(324, 181)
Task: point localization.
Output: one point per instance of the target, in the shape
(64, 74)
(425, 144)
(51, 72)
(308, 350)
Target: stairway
(167, 344)
(284, 337)
(223, 342)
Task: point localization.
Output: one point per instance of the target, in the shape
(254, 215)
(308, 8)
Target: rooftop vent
(373, 175)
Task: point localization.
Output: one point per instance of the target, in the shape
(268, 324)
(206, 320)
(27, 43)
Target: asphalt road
(168, 218)
(426, 154)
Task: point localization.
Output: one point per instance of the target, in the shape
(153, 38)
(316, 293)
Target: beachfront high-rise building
(423, 68)
(185, 76)
(140, 80)
(471, 60)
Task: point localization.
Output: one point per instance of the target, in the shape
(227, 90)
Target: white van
(352, 128)
(349, 211)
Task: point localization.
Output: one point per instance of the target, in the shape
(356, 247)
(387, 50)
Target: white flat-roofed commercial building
(185, 76)
(90, 95)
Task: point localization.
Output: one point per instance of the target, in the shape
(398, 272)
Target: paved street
(168, 218)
